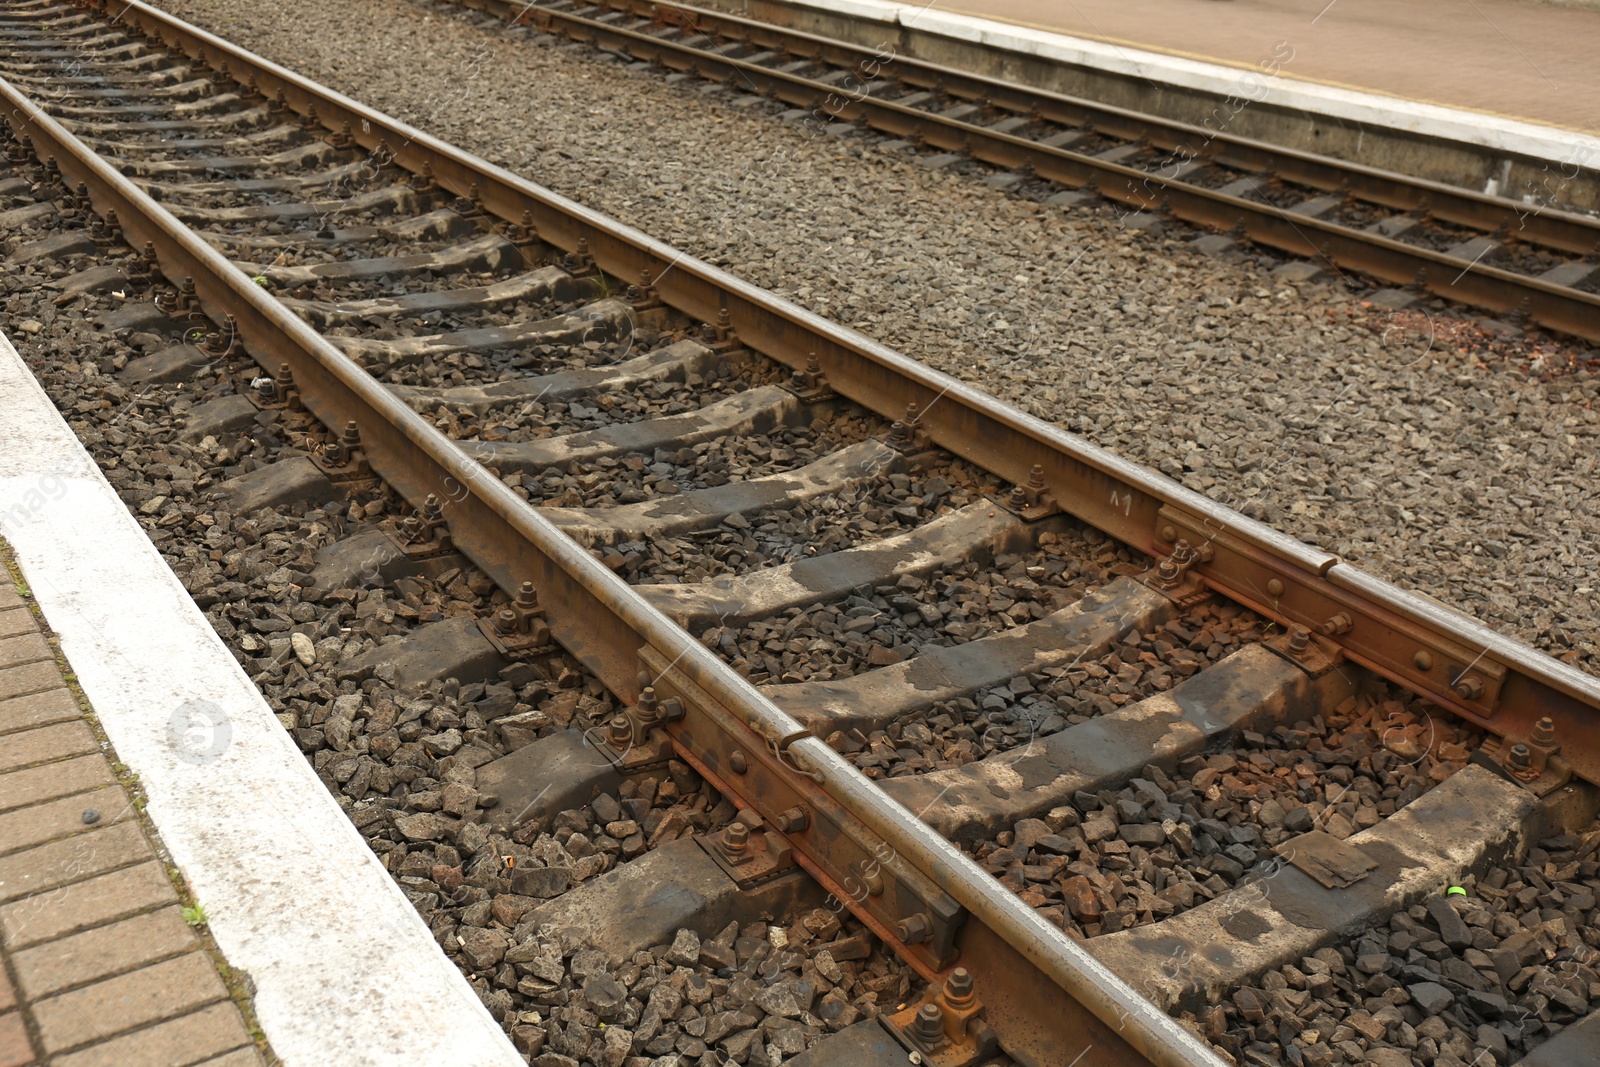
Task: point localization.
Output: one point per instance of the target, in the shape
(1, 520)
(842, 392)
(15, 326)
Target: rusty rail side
(597, 617)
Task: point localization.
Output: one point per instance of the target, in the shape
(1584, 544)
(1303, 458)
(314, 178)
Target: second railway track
(1530, 260)
(663, 528)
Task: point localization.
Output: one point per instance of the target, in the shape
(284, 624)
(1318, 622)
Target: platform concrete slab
(369, 989)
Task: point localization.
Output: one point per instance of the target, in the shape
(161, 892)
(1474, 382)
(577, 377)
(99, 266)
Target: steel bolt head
(736, 838)
(1544, 731)
(1519, 759)
(619, 731)
(958, 987)
(1299, 640)
(737, 763)
(913, 929)
(929, 1023)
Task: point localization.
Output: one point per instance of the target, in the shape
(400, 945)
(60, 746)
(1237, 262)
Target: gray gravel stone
(685, 948)
(1431, 997)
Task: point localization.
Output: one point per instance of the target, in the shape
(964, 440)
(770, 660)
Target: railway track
(1531, 261)
(869, 617)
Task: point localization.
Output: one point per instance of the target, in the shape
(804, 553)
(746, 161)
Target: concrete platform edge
(345, 970)
(1489, 131)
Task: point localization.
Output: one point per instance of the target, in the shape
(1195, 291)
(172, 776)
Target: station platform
(1533, 62)
(101, 963)
(1496, 96)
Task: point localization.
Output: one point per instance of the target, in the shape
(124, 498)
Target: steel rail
(1403, 637)
(1560, 308)
(601, 620)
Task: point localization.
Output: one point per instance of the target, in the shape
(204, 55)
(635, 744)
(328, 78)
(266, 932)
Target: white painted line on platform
(345, 970)
(1566, 147)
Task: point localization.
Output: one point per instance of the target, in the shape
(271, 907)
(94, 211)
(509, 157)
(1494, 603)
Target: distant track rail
(766, 748)
(1483, 251)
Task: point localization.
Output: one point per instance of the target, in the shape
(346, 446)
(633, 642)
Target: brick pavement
(97, 966)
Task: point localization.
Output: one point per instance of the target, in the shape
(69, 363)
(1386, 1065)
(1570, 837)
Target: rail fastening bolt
(619, 731)
(958, 988)
(505, 623)
(928, 1026)
(736, 838)
(737, 763)
(1519, 761)
(1299, 641)
(913, 929)
(1544, 732)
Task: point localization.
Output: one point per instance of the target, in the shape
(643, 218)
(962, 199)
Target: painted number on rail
(1123, 501)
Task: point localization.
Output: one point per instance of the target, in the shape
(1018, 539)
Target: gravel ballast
(1449, 458)
(403, 765)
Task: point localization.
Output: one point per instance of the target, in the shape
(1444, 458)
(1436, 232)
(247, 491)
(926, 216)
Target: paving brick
(38, 784)
(62, 818)
(8, 995)
(38, 709)
(29, 678)
(47, 743)
(17, 621)
(24, 648)
(243, 1057)
(192, 1039)
(8, 594)
(92, 902)
(15, 1051)
(60, 863)
(104, 951)
(150, 994)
